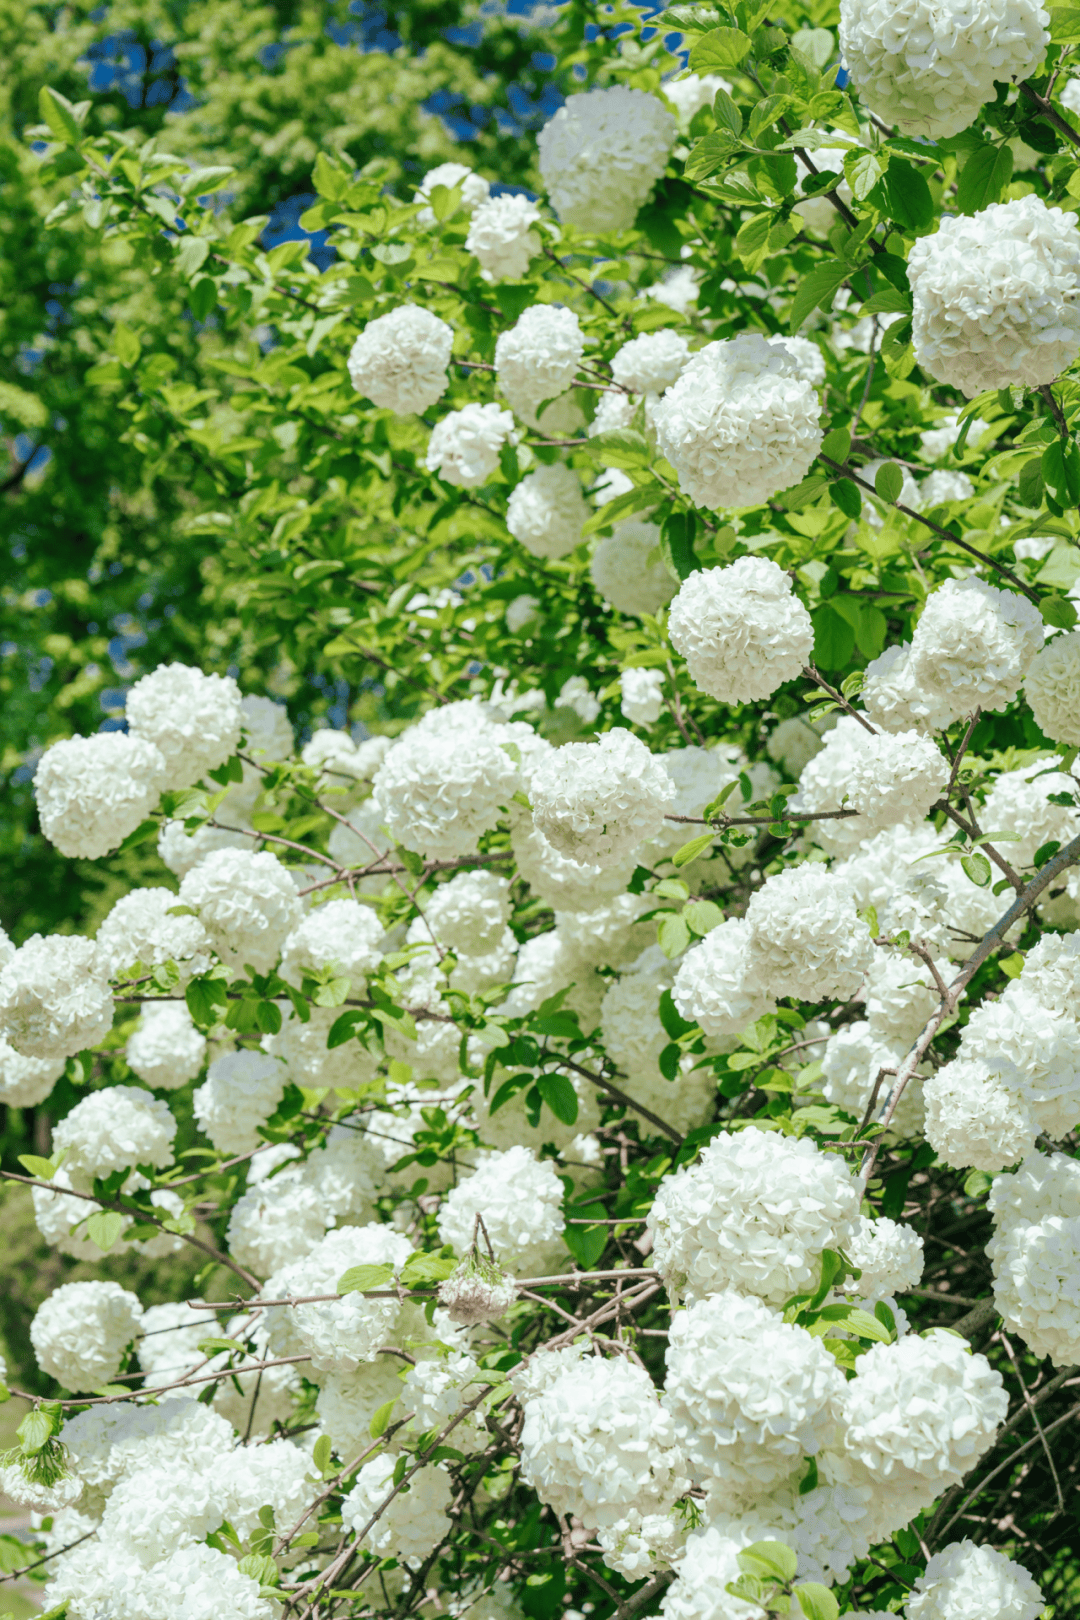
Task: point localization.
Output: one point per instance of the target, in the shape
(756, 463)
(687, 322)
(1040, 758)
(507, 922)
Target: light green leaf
(104, 1227)
(769, 1560)
(719, 50)
(59, 114)
(690, 852)
(816, 1601)
(362, 1279)
(672, 934)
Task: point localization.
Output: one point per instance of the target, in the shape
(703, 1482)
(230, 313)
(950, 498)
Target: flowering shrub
(577, 1087)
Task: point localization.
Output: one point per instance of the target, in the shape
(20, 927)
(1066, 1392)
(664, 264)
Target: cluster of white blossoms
(399, 360)
(601, 155)
(464, 447)
(742, 630)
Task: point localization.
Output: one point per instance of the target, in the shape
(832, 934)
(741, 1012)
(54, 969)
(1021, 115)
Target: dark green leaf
(816, 289)
(673, 1021)
(560, 1096)
(834, 638)
(983, 178)
(1061, 472)
(709, 154)
(847, 496)
(889, 481)
(586, 1244)
(1030, 482)
(977, 868)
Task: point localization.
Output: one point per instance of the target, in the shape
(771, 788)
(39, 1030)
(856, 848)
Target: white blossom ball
(968, 1582)
(341, 935)
(337, 1334)
(710, 1564)
(80, 1332)
(92, 792)
(1036, 1280)
(975, 1118)
(181, 850)
(54, 997)
(1052, 688)
(408, 1525)
(538, 358)
(347, 1402)
(944, 485)
(652, 362)
(1035, 1048)
(115, 1129)
(546, 511)
(806, 937)
(795, 741)
(717, 985)
(193, 719)
(900, 996)
(740, 424)
(438, 794)
(890, 1256)
(808, 358)
(399, 360)
(741, 630)
(26, 1081)
(624, 576)
(240, 1092)
(601, 155)
(165, 1049)
(597, 1442)
(1052, 972)
(594, 802)
(851, 1062)
(501, 238)
(994, 297)
(750, 1395)
(464, 447)
(275, 1223)
(895, 700)
(475, 190)
(642, 701)
(140, 929)
(247, 903)
(930, 65)
(519, 1199)
(469, 914)
(974, 644)
(567, 884)
(522, 611)
(753, 1214)
(895, 1404)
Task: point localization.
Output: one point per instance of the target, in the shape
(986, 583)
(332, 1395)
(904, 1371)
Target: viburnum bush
(623, 1087)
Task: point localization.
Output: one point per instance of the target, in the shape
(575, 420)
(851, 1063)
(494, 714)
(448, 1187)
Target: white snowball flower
(1035, 1049)
(968, 1582)
(275, 1223)
(741, 630)
(994, 297)
(347, 1402)
(241, 1091)
(740, 424)
(973, 644)
(80, 1332)
(434, 1390)
(92, 792)
(108, 1443)
(805, 936)
(944, 485)
(247, 903)
(937, 442)
(470, 913)
(26, 1081)
(888, 777)
(808, 358)
(475, 190)
(1037, 1276)
(194, 1583)
(539, 356)
(930, 65)
(601, 155)
(156, 1511)
(115, 1129)
(342, 935)
(193, 719)
(642, 701)
(750, 1395)
(889, 1255)
(622, 573)
(337, 1334)
(597, 1442)
(476, 1291)
(851, 1061)
(464, 447)
(55, 1499)
(717, 985)
(900, 996)
(181, 850)
(546, 511)
(895, 700)
(794, 742)
(652, 362)
(399, 360)
(896, 1403)
(975, 1116)
(613, 413)
(753, 1214)
(279, 1475)
(597, 801)
(522, 611)
(689, 92)
(54, 997)
(140, 929)
(501, 239)
(518, 1198)
(1052, 688)
(411, 1524)
(567, 884)
(1052, 972)
(437, 794)
(677, 289)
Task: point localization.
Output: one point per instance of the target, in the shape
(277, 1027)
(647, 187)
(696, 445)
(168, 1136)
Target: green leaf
(769, 1560)
(673, 1021)
(690, 852)
(977, 868)
(846, 495)
(863, 170)
(1012, 966)
(752, 241)
(320, 1453)
(422, 1268)
(889, 481)
(702, 916)
(260, 1566)
(866, 1326)
(677, 543)
(834, 638)
(104, 1227)
(709, 154)
(726, 113)
(816, 1601)
(560, 1096)
(904, 195)
(202, 297)
(837, 445)
(362, 1279)
(142, 834)
(897, 352)
(977, 1183)
(816, 289)
(34, 1432)
(890, 301)
(1065, 25)
(57, 111)
(621, 447)
(983, 178)
(211, 1347)
(586, 1243)
(672, 934)
(191, 254)
(720, 50)
(1030, 482)
(1061, 472)
(43, 1169)
(329, 180)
